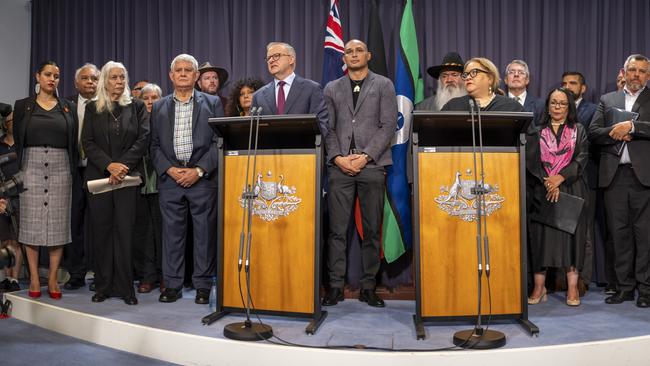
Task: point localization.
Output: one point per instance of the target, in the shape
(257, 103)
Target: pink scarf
(556, 156)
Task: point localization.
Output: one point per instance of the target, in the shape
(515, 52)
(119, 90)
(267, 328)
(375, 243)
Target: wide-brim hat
(222, 74)
(451, 61)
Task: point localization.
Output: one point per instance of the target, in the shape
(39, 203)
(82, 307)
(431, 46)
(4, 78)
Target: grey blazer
(305, 97)
(373, 121)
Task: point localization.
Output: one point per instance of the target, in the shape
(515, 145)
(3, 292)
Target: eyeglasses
(274, 57)
(558, 104)
(516, 72)
(472, 74)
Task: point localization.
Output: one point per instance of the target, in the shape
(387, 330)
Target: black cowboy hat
(222, 74)
(451, 61)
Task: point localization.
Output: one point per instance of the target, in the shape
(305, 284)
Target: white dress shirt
(521, 98)
(289, 82)
(630, 99)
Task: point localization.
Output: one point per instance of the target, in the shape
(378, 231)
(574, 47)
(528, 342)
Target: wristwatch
(199, 171)
(367, 157)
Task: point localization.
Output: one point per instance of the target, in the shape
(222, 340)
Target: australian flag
(333, 66)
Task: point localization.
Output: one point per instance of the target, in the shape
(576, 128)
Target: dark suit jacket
(305, 97)
(204, 153)
(585, 113)
(23, 109)
(373, 121)
(134, 139)
(638, 148)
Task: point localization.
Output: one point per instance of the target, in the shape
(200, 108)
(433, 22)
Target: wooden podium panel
(282, 250)
(448, 259)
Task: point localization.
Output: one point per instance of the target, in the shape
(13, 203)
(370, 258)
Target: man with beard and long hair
(450, 84)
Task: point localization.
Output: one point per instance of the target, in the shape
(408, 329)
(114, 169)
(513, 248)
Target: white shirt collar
(522, 96)
(628, 92)
(289, 80)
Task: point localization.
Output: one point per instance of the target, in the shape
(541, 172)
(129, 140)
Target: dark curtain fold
(590, 36)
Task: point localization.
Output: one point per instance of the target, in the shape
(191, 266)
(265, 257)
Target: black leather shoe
(130, 300)
(610, 289)
(99, 297)
(202, 296)
(74, 284)
(371, 298)
(333, 296)
(643, 301)
(170, 295)
(619, 297)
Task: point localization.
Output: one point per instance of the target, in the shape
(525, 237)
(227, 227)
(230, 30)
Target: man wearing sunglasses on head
(289, 93)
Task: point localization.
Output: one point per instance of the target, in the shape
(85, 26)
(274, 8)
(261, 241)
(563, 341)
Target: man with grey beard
(450, 84)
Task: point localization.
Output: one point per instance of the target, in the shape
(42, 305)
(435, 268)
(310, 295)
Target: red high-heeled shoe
(55, 295)
(34, 294)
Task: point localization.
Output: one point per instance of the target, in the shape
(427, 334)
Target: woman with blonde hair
(482, 83)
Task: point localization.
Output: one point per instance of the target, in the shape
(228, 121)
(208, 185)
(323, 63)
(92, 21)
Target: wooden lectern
(286, 225)
(444, 223)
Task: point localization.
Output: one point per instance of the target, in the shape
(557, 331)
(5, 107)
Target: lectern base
(479, 339)
(247, 331)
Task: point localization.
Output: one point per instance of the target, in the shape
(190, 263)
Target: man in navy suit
(184, 153)
(575, 82)
(288, 93)
(624, 174)
(517, 78)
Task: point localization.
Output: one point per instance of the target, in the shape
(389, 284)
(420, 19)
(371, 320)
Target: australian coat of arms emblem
(459, 198)
(272, 199)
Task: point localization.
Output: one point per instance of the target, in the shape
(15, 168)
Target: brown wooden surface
(448, 262)
(282, 254)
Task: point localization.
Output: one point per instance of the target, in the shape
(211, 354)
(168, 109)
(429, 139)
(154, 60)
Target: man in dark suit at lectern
(362, 109)
(289, 93)
(624, 173)
(184, 153)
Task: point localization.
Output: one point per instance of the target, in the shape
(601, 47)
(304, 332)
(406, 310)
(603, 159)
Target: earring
(37, 88)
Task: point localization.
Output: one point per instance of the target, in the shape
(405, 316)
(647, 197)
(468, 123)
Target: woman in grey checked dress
(45, 133)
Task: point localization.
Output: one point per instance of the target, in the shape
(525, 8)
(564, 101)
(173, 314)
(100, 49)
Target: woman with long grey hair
(115, 137)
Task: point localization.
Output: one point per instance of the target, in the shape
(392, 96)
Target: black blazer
(23, 110)
(638, 148)
(133, 143)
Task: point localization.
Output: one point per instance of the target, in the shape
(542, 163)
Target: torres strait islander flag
(397, 234)
(333, 66)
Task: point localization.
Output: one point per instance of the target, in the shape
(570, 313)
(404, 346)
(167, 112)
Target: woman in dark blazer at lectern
(115, 137)
(482, 83)
(556, 156)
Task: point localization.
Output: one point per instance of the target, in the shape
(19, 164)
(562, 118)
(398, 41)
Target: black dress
(550, 247)
(498, 104)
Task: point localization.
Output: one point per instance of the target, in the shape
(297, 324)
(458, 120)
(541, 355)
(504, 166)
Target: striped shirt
(183, 128)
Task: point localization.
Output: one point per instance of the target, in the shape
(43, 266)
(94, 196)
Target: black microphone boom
(479, 337)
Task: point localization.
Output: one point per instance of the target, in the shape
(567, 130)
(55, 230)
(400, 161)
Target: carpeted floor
(349, 323)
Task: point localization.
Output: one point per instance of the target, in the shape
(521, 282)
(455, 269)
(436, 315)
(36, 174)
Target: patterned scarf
(556, 156)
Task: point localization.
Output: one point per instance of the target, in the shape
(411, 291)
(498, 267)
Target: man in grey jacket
(362, 110)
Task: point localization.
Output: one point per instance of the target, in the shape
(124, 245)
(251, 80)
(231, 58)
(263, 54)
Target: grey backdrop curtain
(590, 36)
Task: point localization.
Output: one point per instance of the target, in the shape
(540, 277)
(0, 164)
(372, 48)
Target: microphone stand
(247, 330)
(479, 337)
